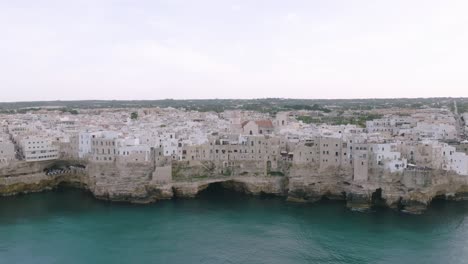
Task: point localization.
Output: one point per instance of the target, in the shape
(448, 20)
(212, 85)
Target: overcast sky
(156, 49)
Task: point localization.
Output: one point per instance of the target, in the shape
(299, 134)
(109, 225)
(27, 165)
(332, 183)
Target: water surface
(70, 226)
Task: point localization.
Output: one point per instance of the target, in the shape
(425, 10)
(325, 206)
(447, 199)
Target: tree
(134, 116)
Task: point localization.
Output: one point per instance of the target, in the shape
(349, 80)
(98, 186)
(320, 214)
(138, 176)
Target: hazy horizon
(235, 49)
(265, 98)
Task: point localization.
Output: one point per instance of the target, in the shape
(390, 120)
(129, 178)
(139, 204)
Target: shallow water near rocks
(70, 226)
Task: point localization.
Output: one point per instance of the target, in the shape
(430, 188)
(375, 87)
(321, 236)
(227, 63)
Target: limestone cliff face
(119, 181)
(35, 182)
(38, 182)
(252, 185)
(411, 191)
(24, 168)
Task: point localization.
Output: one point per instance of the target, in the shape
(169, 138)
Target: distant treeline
(267, 105)
(34, 109)
(358, 119)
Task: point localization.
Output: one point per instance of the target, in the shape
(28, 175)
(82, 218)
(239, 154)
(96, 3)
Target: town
(188, 145)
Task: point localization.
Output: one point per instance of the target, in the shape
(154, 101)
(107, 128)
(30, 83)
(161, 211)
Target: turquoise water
(70, 226)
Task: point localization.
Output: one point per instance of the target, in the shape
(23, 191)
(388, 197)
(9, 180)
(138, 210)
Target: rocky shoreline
(410, 192)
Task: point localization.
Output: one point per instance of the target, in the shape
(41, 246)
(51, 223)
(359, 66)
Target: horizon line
(246, 99)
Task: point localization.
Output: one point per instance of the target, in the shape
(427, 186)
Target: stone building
(257, 127)
(330, 149)
(7, 151)
(361, 162)
(103, 146)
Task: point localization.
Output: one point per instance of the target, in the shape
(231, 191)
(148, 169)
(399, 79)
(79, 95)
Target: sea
(220, 226)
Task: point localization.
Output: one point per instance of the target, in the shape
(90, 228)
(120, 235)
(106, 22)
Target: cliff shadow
(377, 201)
(229, 190)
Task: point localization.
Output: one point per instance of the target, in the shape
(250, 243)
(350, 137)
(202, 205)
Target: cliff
(411, 191)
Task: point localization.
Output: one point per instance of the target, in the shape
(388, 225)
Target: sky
(187, 49)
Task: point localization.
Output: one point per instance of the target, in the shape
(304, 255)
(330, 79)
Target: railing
(68, 170)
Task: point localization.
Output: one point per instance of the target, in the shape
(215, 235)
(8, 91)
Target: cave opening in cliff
(377, 200)
(439, 197)
(227, 189)
(66, 185)
(333, 197)
(439, 200)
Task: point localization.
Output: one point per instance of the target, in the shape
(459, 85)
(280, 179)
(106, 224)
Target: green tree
(134, 116)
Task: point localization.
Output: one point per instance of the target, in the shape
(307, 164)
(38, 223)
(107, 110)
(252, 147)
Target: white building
(169, 144)
(84, 144)
(459, 163)
(385, 155)
(36, 148)
(436, 131)
(384, 125)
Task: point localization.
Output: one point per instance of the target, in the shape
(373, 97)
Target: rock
(134, 183)
(358, 201)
